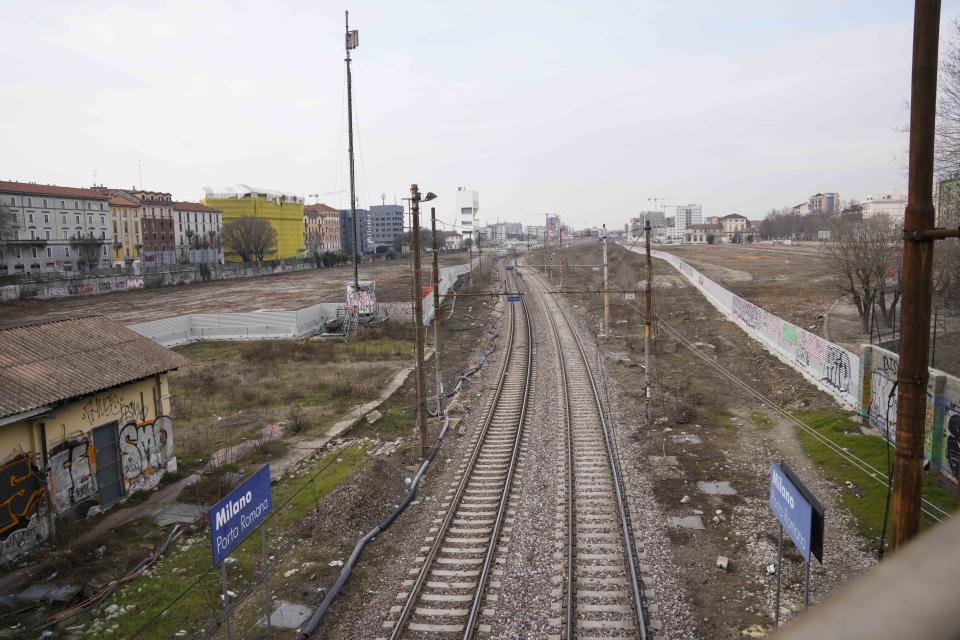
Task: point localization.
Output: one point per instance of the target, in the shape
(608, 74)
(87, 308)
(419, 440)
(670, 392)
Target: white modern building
(685, 216)
(891, 204)
(53, 229)
(468, 203)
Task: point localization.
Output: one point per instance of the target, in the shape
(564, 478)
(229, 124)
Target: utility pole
(436, 307)
(647, 329)
(418, 317)
(917, 278)
(561, 254)
(546, 241)
(606, 288)
(352, 40)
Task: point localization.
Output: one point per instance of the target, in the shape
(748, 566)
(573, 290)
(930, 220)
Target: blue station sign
(236, 516)
(509, 267)
(513, 298)
(797, 510)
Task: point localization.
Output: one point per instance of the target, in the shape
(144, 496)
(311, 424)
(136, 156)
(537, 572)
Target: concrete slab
(179, 512)
(659, 461)
(49, 593)
(720, 488)
(289, 615)
(373, 416)
(687, 522)
(686, 438)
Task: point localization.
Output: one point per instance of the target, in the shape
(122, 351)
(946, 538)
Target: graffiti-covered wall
(942, 425)
(23, 521)
(100, 449)
(830, 367)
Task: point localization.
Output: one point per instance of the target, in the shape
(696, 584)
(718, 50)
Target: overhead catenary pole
(418, 317)
(560, 226)
(546, 241)
(436, 306)
(606, 288)
(917, 278)
(351, 42)
(647, 330)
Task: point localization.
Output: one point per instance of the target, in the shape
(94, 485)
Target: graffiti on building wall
(146, 447)
(21, 489)
(72, 476)
(883, 398)
(951, 434)
(837, 371)
(105, 407)
(402, 311)
(365, 298)
(9, 292)
(748, 313)
(87, 288)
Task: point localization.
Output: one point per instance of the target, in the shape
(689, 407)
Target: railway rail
(601, 594)
(445, 598)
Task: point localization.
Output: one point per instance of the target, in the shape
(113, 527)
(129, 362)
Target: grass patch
(233, 389)
(189, 559)
(761, 420)
(868, 500)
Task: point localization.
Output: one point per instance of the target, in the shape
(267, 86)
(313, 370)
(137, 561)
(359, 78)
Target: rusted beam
(917, 278)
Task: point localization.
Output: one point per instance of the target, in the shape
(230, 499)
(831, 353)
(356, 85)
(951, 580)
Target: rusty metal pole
(917, 279)
(436, 305)
(560, 225)
(606, 289)
(546, 241)
(647, 331)
(418, 317)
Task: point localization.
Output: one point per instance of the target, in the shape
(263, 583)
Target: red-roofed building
(49, 228)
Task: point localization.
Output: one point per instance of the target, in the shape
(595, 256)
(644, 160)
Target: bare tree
(865, 256)
(948, 108)
(8, 222)
(88, 250)
(946, 254)
(250, 238)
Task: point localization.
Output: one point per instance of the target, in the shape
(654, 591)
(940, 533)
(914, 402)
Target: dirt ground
(326, 534)
(794, 283)
(708, 430)
(291, 290)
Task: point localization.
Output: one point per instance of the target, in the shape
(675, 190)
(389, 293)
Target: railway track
(601, 594)
(445, 598)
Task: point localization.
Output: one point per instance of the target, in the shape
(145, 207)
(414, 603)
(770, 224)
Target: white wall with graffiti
(830, 367)
(942, 424)
(94, 451)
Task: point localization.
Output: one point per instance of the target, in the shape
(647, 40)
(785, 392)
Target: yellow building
(284, 212)
(125, 221)
(84, 421)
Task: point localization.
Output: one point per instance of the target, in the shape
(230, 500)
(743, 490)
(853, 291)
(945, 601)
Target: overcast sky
(586, 109)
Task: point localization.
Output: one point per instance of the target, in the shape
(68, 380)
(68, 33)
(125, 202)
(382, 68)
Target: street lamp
(415, 200)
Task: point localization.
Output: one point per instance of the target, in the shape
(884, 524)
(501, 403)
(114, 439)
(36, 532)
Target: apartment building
(321, 228)
(125, 226)
(468, 204)
(53, 228)
(197, 231)
(385, 224)
(284, 212)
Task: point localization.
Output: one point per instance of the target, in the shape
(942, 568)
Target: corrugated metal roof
(43, 363)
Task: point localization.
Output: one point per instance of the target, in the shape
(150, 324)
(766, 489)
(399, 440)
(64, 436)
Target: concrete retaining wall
(256, 325)
(878, 402)
(864, 383)
(829, 366)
